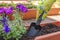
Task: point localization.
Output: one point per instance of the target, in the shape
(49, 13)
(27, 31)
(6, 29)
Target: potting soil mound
(49, 28)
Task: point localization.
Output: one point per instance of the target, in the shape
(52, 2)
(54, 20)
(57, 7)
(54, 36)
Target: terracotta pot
(54, 11)
(57, 23)
(10, 16)
(32, 13)
(52, 36)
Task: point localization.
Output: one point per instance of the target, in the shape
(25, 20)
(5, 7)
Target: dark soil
(49, 28)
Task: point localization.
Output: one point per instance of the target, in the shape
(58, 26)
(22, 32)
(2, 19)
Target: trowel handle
(40, 18)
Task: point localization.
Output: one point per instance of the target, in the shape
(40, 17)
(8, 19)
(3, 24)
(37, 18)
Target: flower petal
(6, 29)
(9, 10)
(1, 10)
(21, 8)
(4, 19)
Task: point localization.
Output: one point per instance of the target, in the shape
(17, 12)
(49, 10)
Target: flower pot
(52, 36)
(57, 23)
(31, 13)
(11, 17)
(54, 11)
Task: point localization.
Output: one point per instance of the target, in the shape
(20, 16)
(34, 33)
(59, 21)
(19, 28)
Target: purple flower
(24, 9)
(1, 10)
(21, 8)
(4, 20)
(6, 29)
(9, 10)
(5, 25)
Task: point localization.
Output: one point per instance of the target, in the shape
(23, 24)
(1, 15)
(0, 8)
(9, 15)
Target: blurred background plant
(29, 6)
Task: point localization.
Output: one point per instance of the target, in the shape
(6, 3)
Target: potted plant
(11, 29)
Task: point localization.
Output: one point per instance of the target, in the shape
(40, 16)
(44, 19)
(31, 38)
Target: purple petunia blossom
(21, 8)
(24, 9)
(5, 25)
(11, 8)
(6, 29)
(1, 10)
(8, 10)
(4, 20)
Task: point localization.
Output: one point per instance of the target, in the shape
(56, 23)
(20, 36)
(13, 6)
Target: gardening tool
(35, 28)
